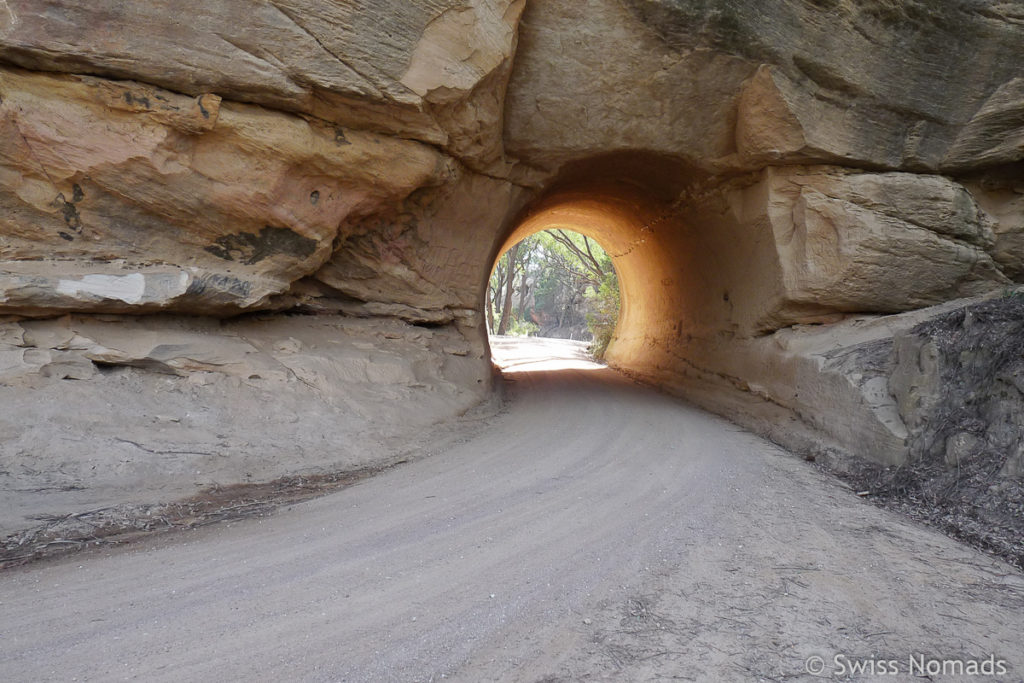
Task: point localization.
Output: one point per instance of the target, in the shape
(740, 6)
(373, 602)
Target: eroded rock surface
(344, 147)
(1003, 203)
(119, 196)
(430, 70)
(903, 84)
(824, 240)
(99, 411)
(424, 260)
(927, 385)
(959, 384)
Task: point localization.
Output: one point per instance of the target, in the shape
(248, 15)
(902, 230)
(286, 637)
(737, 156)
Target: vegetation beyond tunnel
(556, 283)
(629, 225)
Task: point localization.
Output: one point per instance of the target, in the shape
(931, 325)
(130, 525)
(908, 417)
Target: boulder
(824, 240)
(847, 257)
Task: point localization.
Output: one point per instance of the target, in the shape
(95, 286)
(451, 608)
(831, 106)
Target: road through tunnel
(773, 296)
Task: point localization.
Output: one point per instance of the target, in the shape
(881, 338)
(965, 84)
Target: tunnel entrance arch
(773, 295)
(629, 204)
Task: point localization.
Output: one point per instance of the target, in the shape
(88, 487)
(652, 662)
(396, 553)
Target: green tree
(565, 283)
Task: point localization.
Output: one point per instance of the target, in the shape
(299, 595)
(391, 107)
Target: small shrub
(521, 328)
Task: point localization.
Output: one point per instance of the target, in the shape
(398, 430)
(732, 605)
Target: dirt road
(593, 530)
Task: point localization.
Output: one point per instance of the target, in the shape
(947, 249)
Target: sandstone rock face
(197, 202)
(1003, 203)
(725, 83)
(122, 197)
(877, 243)
(430, 70)
(425, 260)
(166, 406)
(824, 240)
(591, 78)
(993, 135)
(752, 166)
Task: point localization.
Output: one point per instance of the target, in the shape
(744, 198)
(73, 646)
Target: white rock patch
(127, 288)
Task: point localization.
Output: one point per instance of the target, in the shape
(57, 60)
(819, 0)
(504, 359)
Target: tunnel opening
(628, 204)
(557, 284)
(552, 303)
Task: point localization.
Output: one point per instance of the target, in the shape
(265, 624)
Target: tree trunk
(506, 309)
(497, 287)
(489, 303)
(524, 289)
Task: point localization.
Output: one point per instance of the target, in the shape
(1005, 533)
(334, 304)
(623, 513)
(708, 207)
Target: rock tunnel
(306, 205)
(625, 203)
(774, 296)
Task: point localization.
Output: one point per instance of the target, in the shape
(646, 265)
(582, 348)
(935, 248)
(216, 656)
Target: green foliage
(1013, 292)
(519, 328)
(563, 284)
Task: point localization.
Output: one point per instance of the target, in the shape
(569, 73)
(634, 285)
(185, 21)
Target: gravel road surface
(592, 530)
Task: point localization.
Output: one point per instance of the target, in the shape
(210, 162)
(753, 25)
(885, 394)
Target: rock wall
(958, 381)
(123, 197)
(836, 240)
(266, 156)
(920, 385)
(753, 167)
(99, 411)
(832, 161)
(426, 70)
(922, 86)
